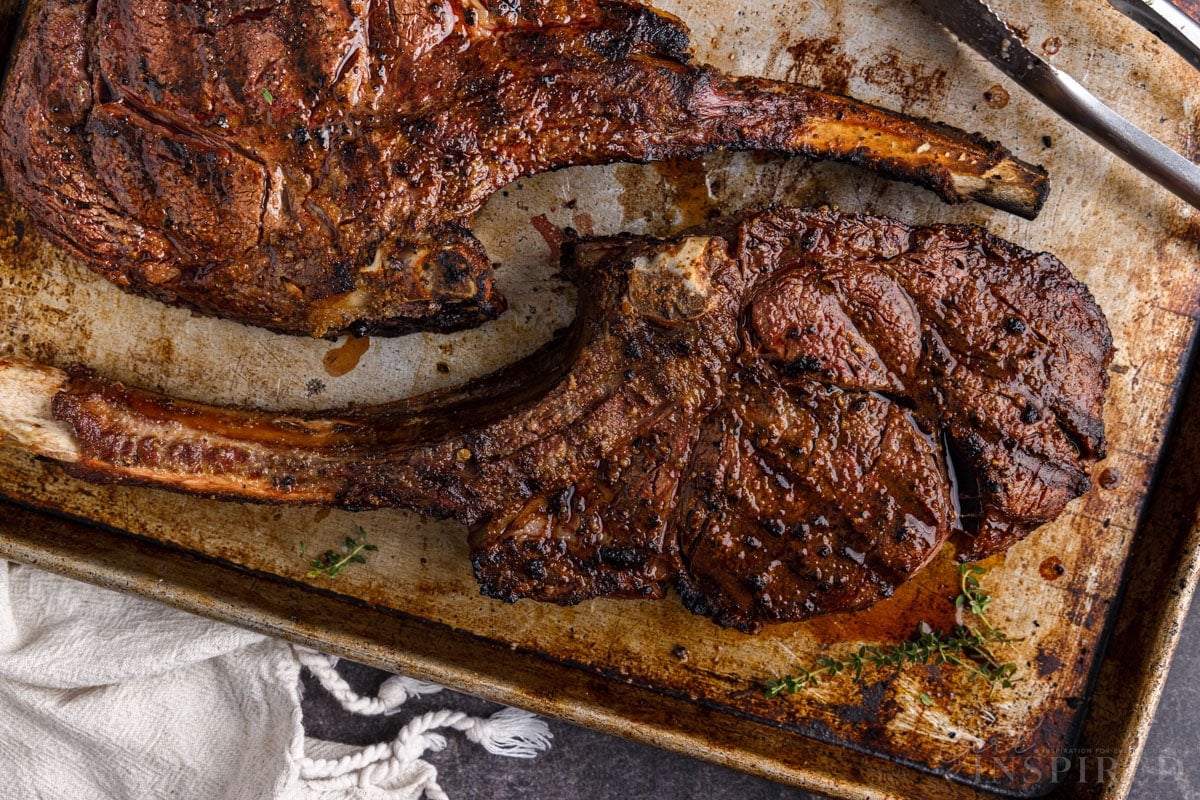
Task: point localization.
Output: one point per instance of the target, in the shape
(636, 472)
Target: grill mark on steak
(179, 131)
(696, 458)
(377, 132)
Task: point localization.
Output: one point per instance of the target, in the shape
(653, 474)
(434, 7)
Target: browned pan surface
(1135, 247)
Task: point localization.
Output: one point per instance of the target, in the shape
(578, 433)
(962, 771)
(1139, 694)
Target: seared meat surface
(891, 386)
(312, 166)
(783, 418)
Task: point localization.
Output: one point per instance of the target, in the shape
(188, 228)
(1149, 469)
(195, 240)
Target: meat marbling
(312, 166)
(781, 418)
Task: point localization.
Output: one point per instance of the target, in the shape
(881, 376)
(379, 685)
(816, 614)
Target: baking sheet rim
(140, 568)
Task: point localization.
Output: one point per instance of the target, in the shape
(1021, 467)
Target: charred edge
(448, 318)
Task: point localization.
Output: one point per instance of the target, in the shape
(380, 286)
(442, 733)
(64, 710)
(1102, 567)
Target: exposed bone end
(673, 284)
(449, 288)
(956, 165)
(26, 419)
(1011, 185)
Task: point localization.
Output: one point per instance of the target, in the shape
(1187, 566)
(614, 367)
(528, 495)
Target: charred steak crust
(311, 166)
(781, 420)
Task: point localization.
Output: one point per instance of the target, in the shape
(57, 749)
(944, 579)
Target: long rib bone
(327, 185)
(768, 418)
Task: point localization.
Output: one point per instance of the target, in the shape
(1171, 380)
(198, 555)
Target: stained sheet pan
(651, 670)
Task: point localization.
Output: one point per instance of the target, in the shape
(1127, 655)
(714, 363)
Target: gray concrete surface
(592, 766)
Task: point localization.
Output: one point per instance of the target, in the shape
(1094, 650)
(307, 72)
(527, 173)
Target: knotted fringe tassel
(509, 732)
(394, 692)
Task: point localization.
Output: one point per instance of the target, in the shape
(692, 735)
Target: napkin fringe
(394, 692)
(510, 732)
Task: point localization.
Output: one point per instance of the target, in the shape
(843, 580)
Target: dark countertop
(594, 766)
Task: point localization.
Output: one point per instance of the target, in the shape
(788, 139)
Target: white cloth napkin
(109, 696)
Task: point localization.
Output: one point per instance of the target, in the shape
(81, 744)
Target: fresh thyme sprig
(331, 562)
(971, 598)
(965, 646)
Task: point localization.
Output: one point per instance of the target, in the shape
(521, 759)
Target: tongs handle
(1076, 104)
(1176, 28)
(975, 23)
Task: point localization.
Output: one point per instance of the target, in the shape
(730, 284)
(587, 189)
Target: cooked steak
(311, 166)
(784, 418)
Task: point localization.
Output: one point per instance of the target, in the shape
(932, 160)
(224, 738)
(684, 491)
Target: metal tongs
(1177, 30)
(974, 22)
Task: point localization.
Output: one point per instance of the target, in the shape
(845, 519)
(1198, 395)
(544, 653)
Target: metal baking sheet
(616, 663)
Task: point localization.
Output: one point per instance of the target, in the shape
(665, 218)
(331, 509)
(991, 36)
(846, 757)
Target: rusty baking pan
(652, 671)
(1159, 586)
(1100, 765)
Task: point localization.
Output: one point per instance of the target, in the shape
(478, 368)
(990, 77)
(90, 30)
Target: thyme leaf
(965, 646)
(332, 562)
